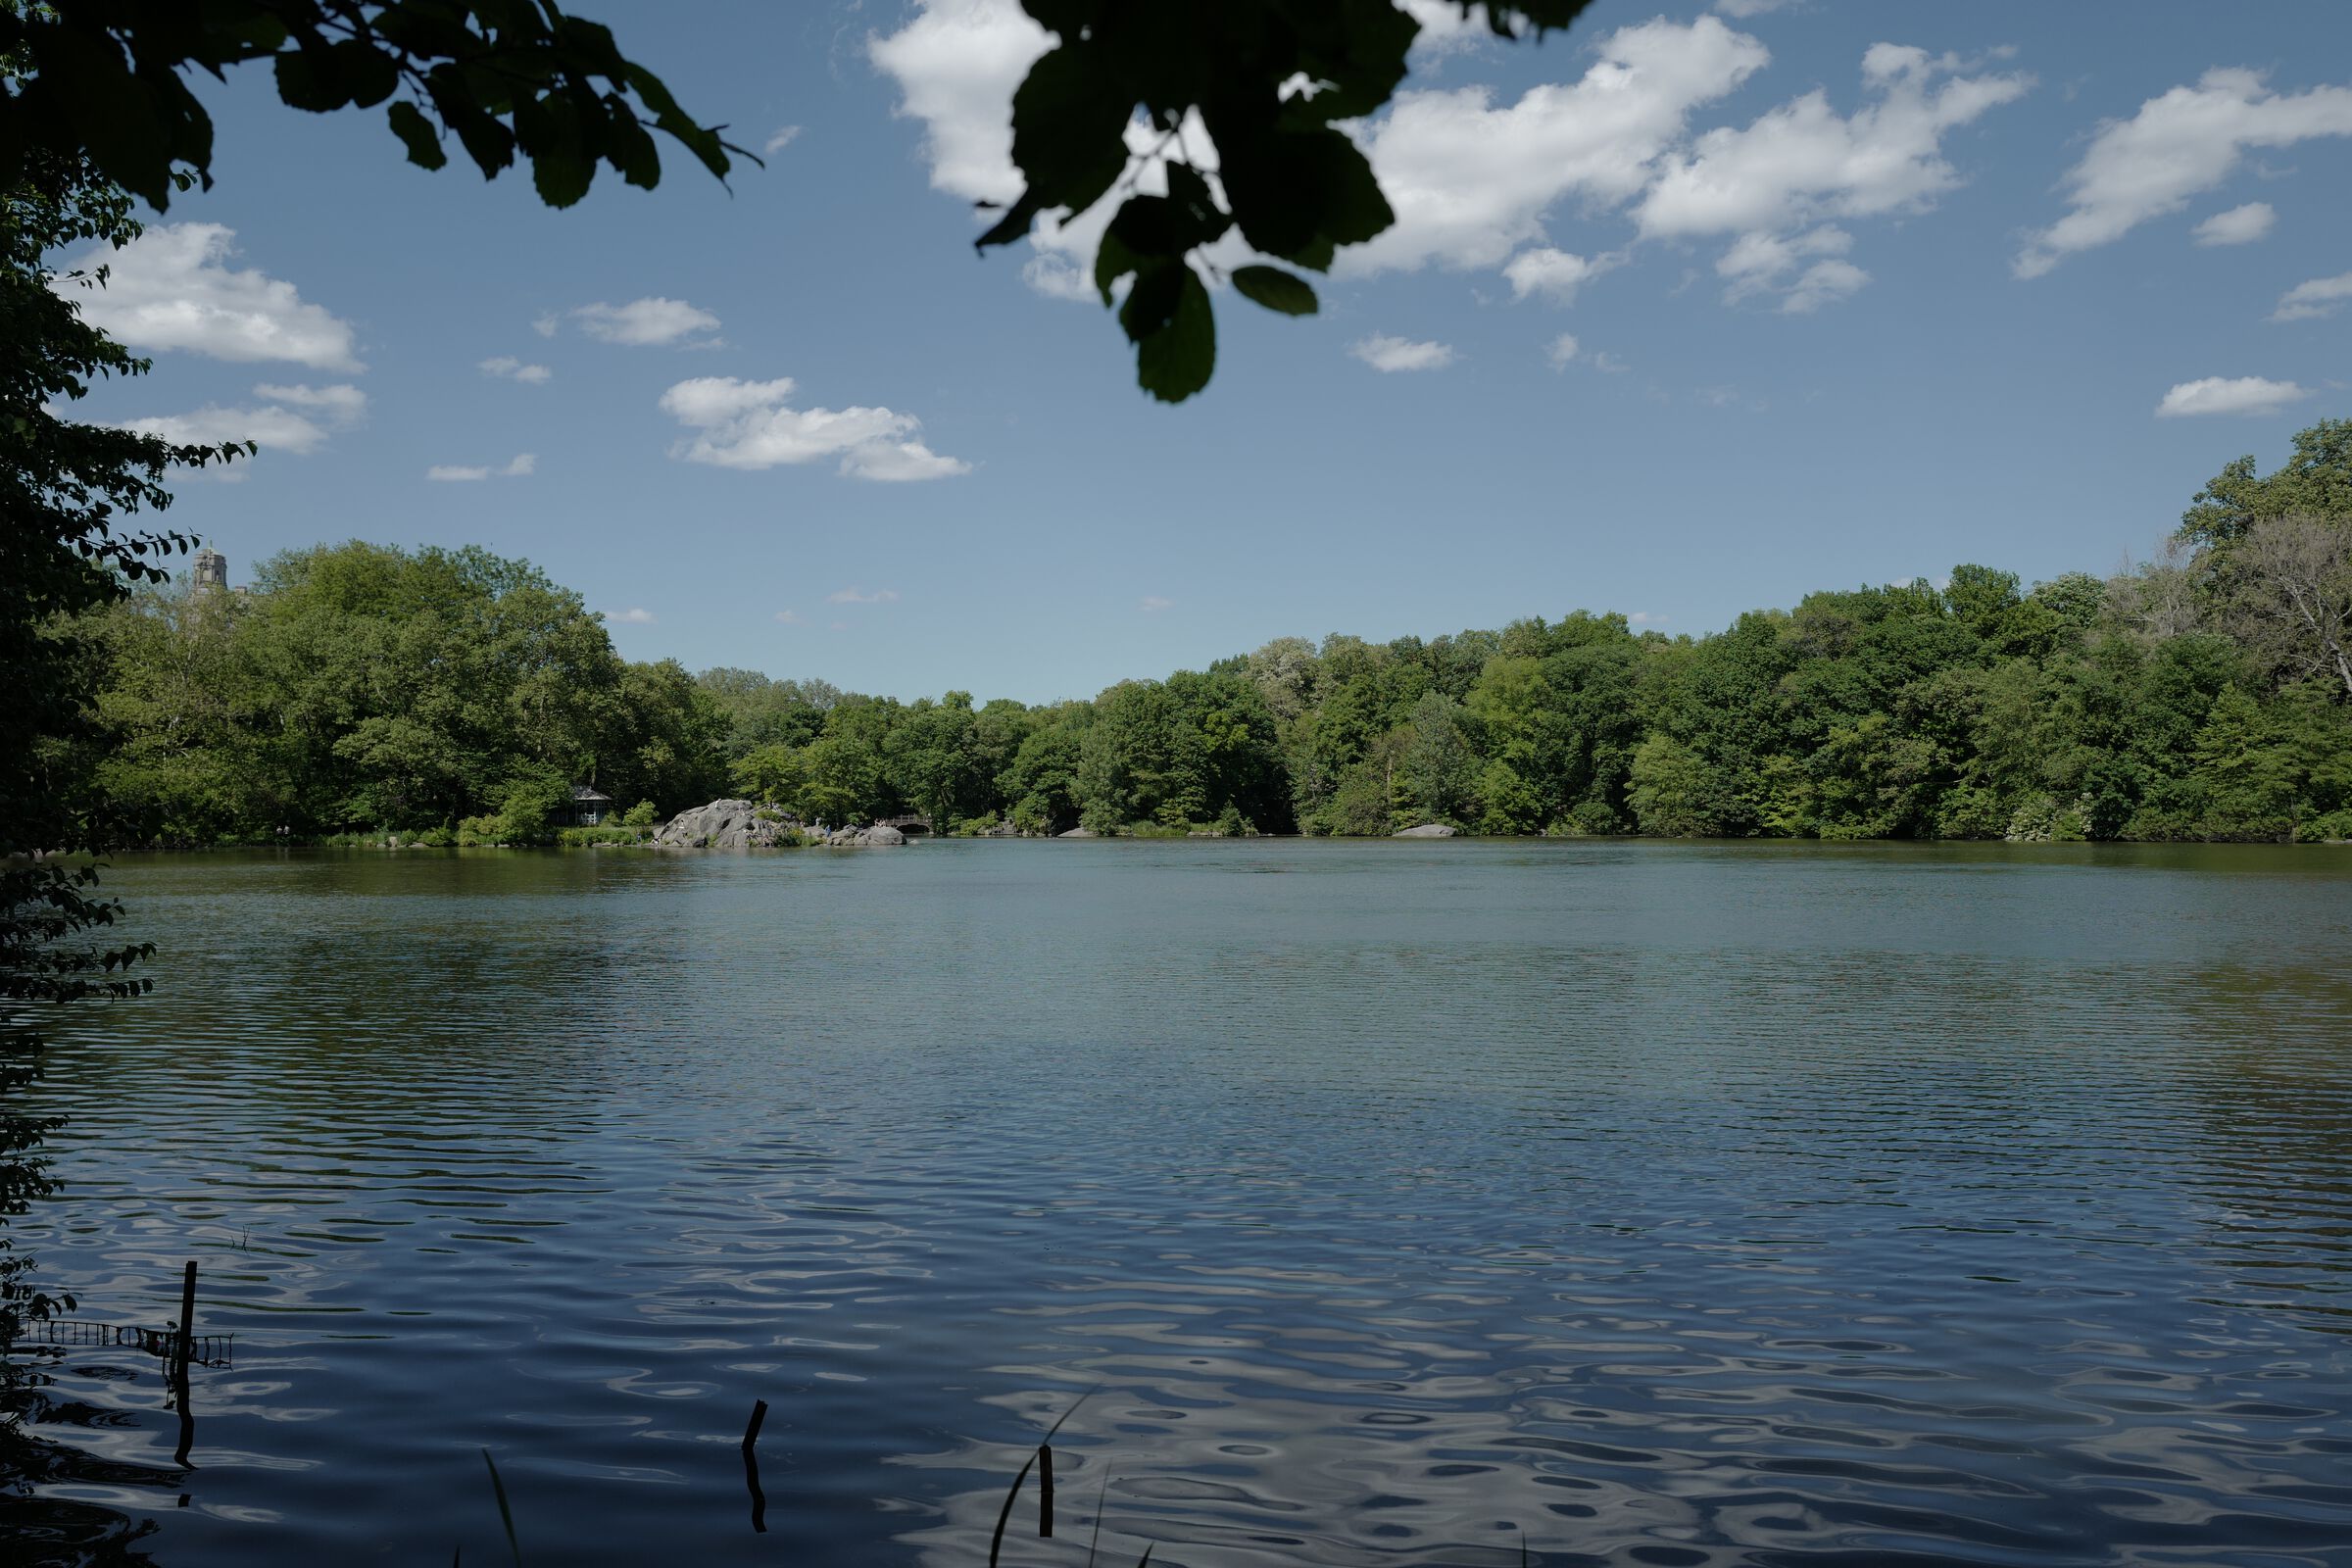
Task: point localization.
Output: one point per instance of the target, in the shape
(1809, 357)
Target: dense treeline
(2204, 695)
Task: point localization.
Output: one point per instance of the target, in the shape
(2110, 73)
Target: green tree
(2316, 481)
(66, 490)
(1440, 766)
(773, 772)
(1676, 794)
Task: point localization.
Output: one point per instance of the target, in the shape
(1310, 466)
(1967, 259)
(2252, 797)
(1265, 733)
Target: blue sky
(1851, 293)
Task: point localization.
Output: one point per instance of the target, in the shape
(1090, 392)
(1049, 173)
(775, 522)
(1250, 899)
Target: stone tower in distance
(211, 572)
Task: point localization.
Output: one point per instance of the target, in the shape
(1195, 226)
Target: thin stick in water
(506, 1515)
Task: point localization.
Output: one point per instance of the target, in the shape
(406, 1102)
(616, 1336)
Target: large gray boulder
(1427, 830)
(877, 837)
(722, 825)
(1078, 833)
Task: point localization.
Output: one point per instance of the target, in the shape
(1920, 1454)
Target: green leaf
(1296, 192)
(632, 149)
(307, 80)
(1176, 362)
(367, 74)
(1198, 217)
(1354, 210)
(1069, 129)
(1112, 261)
(1152, 303)
(1013, 224)
(1275, 289)
(417, 134)
(1315, 256)
(561, 145)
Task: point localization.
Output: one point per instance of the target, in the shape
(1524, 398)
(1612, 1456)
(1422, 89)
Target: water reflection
(1644, 1203)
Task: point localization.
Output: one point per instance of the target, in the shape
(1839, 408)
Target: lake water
(1391, 1203)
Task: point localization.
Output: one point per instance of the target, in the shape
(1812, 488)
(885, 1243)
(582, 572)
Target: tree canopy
(1237, 107)
(1241, 104)
(359, 688)
(104, 79)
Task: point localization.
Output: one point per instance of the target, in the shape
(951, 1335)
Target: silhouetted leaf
(1069, 129)
(1152, 303)
(1275, 289)
(417, 134)
(1177, 361)
(306, 79)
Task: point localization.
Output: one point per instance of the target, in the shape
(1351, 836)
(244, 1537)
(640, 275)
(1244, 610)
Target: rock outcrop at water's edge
(724, 826)
(1427, 830)
(880, 836)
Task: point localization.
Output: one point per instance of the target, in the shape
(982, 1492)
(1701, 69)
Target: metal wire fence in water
(204, 1349)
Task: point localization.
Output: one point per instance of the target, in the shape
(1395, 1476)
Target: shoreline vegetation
(360, 693)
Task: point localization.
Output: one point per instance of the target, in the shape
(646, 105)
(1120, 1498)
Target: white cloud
(899, 462)
(1475, 177)
(1609, 362)
(514, 370)
(1153, 604)
(1758, 263)
(1802, 162)
(779, 139)
(859, 596)
(1822, 283)
(788, 617)
(957, 66)
(634, 616)
(172, 288)
(1385, 353)
(2183, 143)
(749, 424)
(2308, 302)
(1472, 181)
(1057, 278)
(648, 323)
(522, 463)
(1772, 182)
(1553, 274)
(343, 404)
(290, 420)
(544, 325)
(1562, 351)
(2239, 225)
(1446, 26)
(276, 429)
(2245, 394)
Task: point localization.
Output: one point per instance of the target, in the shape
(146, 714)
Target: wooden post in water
(750, 1467)
(1044, 1490)
(187, 1316)
(182, 1354)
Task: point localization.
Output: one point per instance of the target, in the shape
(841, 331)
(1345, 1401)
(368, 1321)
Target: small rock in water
(1427, 830)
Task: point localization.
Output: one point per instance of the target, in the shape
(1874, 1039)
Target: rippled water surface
(1392, 1203)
